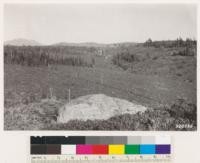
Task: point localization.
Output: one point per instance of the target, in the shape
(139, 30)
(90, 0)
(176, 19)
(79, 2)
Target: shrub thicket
(184, 52)
(124, 57)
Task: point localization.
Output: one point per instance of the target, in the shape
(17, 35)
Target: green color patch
(132, 149)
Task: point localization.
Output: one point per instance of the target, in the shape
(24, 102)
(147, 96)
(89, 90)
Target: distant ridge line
(29, 42)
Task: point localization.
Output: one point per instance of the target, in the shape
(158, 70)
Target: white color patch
(68, 149)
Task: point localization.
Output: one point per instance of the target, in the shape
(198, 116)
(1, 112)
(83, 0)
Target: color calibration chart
(101, 149)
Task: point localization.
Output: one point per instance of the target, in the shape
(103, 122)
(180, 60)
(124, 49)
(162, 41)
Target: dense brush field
(159, 75)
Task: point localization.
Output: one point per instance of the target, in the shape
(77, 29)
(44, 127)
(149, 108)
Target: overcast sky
(102, 23)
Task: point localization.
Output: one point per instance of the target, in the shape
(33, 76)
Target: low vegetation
(42, 116)
(179, 116)
(154, 74)
(171, 62)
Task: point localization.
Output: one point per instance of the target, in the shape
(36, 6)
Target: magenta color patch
(83, 149)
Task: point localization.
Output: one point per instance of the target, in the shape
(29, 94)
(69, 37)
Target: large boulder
(96, 107)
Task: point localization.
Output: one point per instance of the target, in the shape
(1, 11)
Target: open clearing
(157, 79)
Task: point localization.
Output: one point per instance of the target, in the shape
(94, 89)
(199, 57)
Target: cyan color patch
(147, 149)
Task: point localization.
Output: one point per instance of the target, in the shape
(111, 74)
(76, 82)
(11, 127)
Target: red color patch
(100, 149)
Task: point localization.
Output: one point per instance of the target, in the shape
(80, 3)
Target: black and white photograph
(112, 66)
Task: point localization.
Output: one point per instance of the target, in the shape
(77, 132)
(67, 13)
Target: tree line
(38, 55)
(179, 42)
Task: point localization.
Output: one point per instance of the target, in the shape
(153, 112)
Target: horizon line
(193, 38)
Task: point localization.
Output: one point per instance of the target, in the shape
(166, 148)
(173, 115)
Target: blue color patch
(147, 149)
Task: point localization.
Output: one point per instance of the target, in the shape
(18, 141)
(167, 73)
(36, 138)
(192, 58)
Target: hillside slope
(22, 42)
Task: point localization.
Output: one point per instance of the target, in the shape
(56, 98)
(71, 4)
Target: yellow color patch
(116, 149)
